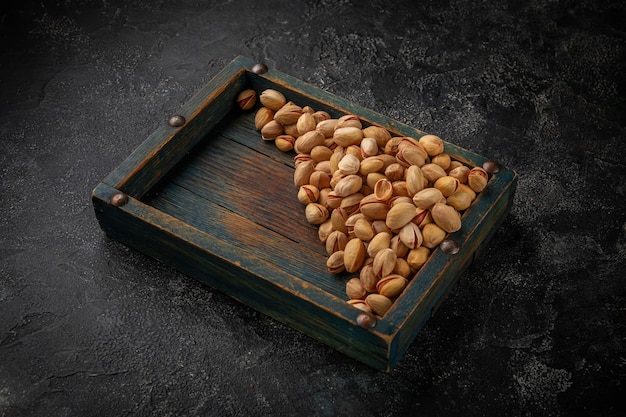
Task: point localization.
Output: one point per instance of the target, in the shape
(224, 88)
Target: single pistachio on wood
(305, 123)
(477, 179)
(432, 235)
(368, 278)
(303, 172)
(379, 242)
(447, 185)
(443, 160)
(321, 153)
(378, 303)
(417, 257)
(288, 114)
(246, 99)
(335, 262)
(316, 213)
(349, 184)
(384, 262)
(391, 285)
(271, 130)
(432, 172)
(459, 200)
(411, 235)
(380, 134)
(399, 215)
(355, 290)
(272, 99)
(284, 142)
(433, 144)
(354, 255)
(369, 147)
(309, 140)
(346, 136)
(262, 117)
(426, 198)
(308, 194)
(446, 217)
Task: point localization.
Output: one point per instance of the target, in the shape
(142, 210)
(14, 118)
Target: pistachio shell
(335, 262)
(336, 241)
(346, 136)
(477, 179)
(316, 213)
(447, 185)
(391, 285)
(354, 255)
(411, 235)
(272, 99)
(262, 117)
(349, 164)
(355, 290)
(284, 142)
(446, 217)
(427, 198)
(384, 262)
(383, 189)
(400, 214)
(378, 303)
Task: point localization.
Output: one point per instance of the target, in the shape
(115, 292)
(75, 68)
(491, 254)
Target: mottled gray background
(537, 328)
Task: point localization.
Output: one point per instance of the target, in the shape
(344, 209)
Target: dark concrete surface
(537, 328)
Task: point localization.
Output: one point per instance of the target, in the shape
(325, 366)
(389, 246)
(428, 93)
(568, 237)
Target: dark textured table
(536, 328)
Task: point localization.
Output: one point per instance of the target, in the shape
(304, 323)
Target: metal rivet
(366, 320)
(119, 199)
(259, 68)
(176, 120)
(449, 246)
(491, 167)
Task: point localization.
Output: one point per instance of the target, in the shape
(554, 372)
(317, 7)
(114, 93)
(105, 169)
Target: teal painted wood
(260, 284)
(235, 223)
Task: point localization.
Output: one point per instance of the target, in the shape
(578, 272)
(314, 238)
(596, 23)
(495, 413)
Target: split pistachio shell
(316, 213)
(391, 285)
(384, 262)
(477, 179)
(447, 185)
(335, 262)
(411, 235)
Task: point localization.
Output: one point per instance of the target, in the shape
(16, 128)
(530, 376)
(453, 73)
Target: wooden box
(207, 196)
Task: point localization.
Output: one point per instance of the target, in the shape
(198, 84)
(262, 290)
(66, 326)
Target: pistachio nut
(374, 208)
(349, 184)
(368, 278)
(316, 213)
(433, 144)
(477, 179)
(271, 129)
(432, 235)
(284, 142)
(246, 99)
(460, 173)
(336, 241)
(303, 172)
(335, 262)
(262, 117)
(349, 120)
(308, 140)
(380, 134)
(417, 257)
(384, 262)
(378, 303)
(432, 172)
(443, 160)
(363, 230)
(415, 181)
(346, 136)
(272, 99)
(354, 255)
(400, 214)
(426, 198)
(355, 290)
(349, 164)
(379, 242)
(446, 217)
(327, 127)
(391, 285)
(403, 268)
(308, 194)
(411, 235)
(459, 200)
(305, 123)
(369, 147)
(288, 114)
(447, 185)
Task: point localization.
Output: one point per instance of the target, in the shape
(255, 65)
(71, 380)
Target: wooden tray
(205, 195)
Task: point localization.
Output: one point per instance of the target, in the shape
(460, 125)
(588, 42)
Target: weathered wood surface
(215, 201)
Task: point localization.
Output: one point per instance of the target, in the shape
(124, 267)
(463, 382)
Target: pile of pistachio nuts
(382, 203)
